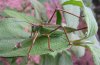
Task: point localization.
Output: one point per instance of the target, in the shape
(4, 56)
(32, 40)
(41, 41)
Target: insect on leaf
(59, 18)
(40, 46)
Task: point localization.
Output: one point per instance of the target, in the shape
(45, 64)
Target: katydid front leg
(33, 41)
(31, 32)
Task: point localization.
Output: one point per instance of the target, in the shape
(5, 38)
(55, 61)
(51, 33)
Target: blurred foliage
(87, 2)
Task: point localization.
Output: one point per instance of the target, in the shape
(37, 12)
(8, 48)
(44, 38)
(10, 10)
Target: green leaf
(65, 59)
(39, 48)
(1, 63)
(77, 3)
(89, 18)
(3, 14)
(11, 28)
(43, 1)
(40, 10)
(8, 45)
(71, 21)
(47, 60)
(21, 16)
(78, 51)
(88, 3)
(95, 52)
(90, 21)
(59, 17)
(61, 58)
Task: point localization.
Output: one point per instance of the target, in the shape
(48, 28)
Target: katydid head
(36, 28)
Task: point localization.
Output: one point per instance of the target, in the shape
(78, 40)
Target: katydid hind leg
(65, 32)
(52, 16)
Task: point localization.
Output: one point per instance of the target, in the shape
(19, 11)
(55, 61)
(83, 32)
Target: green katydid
(38, 27)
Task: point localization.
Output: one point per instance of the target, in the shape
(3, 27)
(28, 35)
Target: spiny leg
(65, 32)
(63, 11)
(51, 16)
(49, 47)
(55, 29)
(68, 13)
(61, 26)
(48, 35)
(81, 28)
(33, 41)
(80, 17)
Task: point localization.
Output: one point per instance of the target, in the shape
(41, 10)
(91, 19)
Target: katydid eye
(36, 28)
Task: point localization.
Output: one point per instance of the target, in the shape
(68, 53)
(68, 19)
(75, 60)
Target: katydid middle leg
(65, 32)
